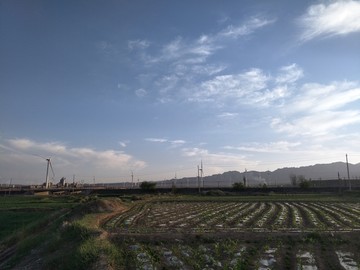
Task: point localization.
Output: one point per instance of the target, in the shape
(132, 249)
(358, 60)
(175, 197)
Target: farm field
(238, 216)
(239, 233)
(181, 232)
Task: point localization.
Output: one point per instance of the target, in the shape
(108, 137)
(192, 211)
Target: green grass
(12, 221)
(37, 223)
(28, 202)
(20, 212)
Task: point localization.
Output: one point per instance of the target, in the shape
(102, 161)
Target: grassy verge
(42, 229)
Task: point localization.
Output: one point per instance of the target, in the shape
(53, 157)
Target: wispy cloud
(234, 85)
(187, 60)
(98, 159)
(315, 97)
(272, 147)
(208, 69)
(289, 74)
(319, 109)
(141, 93)
(123, 143)
(195, 51)
(246, 28)
(216, 162)
(173, 143)
(253, 87)
(317, 124)
(334, 18)
(138, 44)
(26, 144)
(227, 115)
(156, 140)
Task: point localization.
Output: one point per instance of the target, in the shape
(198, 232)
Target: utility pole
(348, 173)
(202, 179)
(132, 179)
(10, 185)
(198, 177)
(245, 179)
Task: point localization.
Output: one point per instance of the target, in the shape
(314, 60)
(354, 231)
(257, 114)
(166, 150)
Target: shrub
(148, 186)
(238, 186)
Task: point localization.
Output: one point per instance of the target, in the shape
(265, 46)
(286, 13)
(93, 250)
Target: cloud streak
(110, 159)
(216, 162)
(273, 147)
(253, 87)
(198, 50)
(319, 109)
(173, 143)
(245, 29)
(337, 18)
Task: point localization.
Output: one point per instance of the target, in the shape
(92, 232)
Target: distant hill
(278, 177)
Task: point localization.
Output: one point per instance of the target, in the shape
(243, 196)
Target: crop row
(231, 254)
(238, 216)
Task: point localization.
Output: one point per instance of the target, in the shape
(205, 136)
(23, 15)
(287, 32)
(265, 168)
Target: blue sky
(109, 87)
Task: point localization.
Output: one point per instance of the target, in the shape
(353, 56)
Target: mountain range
(279, 177)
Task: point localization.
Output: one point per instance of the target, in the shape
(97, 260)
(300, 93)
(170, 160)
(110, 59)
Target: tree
(238, 186)
(304, 183)
(300, 180)
(293, 180)
(148, 186)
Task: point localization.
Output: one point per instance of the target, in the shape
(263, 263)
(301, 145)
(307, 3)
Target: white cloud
(245, 29)
(249, 87)
(319, 109)
(289, 74)
(66, 155)
(196, 51)
(272, 147)
(173, 143)
(317, 124)
(167, 83)
(319, 97)
(331, 19)
(208, 69)
(218, 162)
(227, 115)
(123, 143)
(157, 140)
(252, 87)
(186, 60)
(138, 44)
(141, 93)
(26, 144)
(177, 142)
(237, 85)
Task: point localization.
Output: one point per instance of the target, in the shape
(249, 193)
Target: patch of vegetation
(148, 186)
(78, 248)
(38, 229)
(216, 192)
(238, 186)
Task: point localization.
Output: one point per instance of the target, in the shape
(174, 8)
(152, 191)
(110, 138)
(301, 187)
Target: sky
(106, 89)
